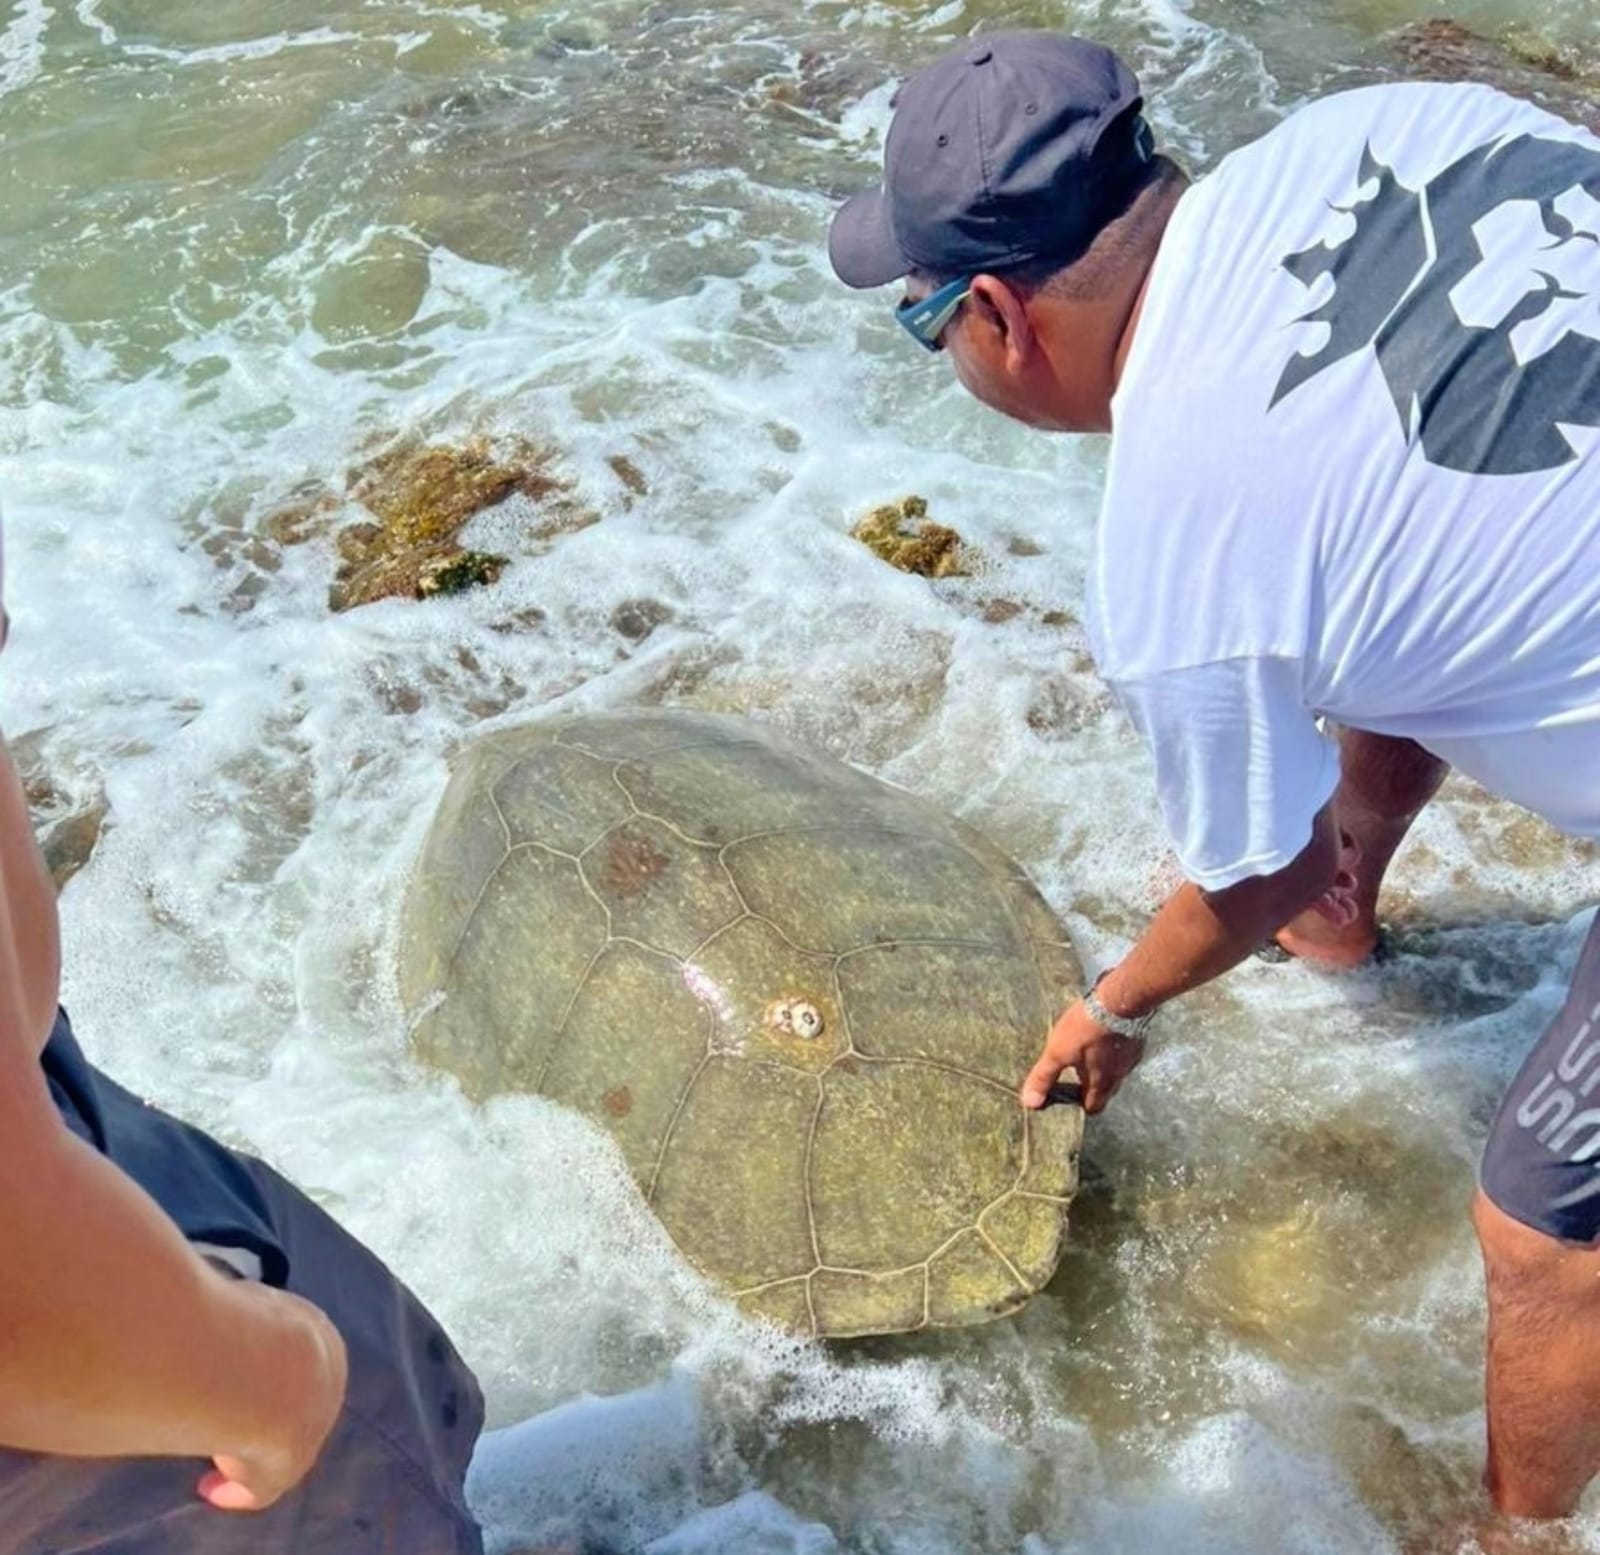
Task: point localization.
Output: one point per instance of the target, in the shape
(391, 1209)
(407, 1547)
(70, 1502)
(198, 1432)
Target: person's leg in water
(1384, 784)
(1537, 1217)
(1543, 1375)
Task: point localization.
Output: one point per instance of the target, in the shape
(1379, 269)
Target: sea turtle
(799, 999)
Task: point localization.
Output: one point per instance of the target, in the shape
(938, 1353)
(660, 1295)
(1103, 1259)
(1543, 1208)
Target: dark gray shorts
(390, 1479)
(1542, 1164)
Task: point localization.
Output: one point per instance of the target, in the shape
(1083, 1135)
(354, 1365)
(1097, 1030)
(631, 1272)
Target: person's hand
(250, 1480)
(1102, 1059)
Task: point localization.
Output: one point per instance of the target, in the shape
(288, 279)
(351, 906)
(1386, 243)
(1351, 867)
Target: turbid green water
(241, 244)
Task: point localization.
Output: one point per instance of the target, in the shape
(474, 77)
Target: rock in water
(66, 803)
(902, 534)
(1442, 50)
(800, 1000)
(422, 499)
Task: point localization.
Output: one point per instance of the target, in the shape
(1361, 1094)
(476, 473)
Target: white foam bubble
(22, 44)
(244, 48)
(489, 21)
(628, 1465)
(753, 1523)
(88, 12)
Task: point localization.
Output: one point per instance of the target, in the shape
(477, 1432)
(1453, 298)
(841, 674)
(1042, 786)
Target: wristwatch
(1124, 1025)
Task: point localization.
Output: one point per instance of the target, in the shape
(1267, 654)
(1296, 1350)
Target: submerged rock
(636, 619)
(68, 840)
(312, 514)
(373, 292)
(727, 950)
(902, 534)
(68, 808)
(631, 476)
(422, 498)
(1444, 50)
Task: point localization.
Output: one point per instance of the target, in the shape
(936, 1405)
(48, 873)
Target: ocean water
(241, 245)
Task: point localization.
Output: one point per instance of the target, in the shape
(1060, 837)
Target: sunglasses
(925, 321)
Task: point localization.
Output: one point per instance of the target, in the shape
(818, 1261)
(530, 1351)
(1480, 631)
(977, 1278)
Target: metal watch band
(1123, 1025)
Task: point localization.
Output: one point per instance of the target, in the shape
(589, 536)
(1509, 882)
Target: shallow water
(241, 244)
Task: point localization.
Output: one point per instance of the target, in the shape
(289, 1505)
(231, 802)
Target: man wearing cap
(1353, 381)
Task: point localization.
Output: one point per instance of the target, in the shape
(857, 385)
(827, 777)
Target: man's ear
(1003, 310)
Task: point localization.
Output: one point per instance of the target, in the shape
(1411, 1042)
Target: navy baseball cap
(1017, 146)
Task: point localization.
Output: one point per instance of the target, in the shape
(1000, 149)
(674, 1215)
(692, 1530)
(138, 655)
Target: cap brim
(861, 242)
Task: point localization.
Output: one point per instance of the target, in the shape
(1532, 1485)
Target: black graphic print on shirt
(1482, 394)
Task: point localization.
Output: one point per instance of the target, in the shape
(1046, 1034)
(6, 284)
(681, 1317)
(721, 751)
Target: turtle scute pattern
(799, 999)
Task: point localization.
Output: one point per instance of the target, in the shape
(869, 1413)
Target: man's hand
(1197, 935)
(251, 1480)
(1102, 1059)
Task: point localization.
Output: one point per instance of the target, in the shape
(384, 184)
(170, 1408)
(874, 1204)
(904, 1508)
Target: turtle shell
(799, 999)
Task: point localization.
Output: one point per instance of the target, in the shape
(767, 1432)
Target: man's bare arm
(115, 1337)
(1196, 936)
(30, 935)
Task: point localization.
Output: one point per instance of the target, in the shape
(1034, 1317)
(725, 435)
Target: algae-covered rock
(422, 497)
(1444, 50)
(456, 573)
(902, 534)
(799, 1001)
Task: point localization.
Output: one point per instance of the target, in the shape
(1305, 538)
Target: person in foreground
(164, 1300)
(1352, 379)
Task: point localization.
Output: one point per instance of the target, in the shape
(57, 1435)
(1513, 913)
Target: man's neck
(1130, 323)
